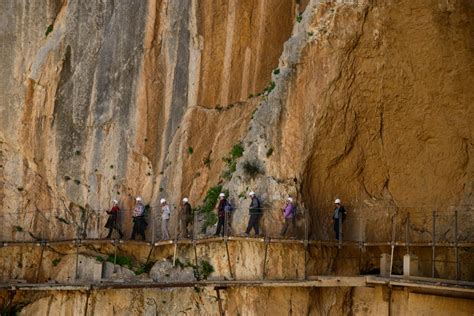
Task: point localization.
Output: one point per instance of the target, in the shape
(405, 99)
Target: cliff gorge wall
(368, 101)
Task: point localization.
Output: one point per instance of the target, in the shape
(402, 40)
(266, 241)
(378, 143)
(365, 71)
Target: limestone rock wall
(285, 301)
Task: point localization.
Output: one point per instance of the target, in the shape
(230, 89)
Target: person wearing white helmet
(255, 212)
(289, 215)
(338, 217)
(112, 221)
(139, 222)
(165, 218)
(221, 215)
(185, 219)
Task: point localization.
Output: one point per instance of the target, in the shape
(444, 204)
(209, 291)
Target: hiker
(221, 214)
(112, 221)
(139, 222)
(338, 217)
(289, 214)
(186, 219)
(165, 218)
(255, 212)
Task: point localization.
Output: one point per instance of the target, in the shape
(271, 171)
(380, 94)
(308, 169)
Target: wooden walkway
(335, 243)
(445, 287)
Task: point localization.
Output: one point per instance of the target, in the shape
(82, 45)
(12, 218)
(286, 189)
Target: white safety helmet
(185, 200)
(115, 201)
(162, 201)
(252, 193)
(138, 199)
(222, 194)
(337, 201)
(290, 199)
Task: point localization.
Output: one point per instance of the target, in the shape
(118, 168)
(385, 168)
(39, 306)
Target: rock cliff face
(368, 101)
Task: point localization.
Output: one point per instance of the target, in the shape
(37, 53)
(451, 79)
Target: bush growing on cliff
(123, 261)
(207, 208)
(236, 152)
(49, 29)
(203, 270)
(299, 17)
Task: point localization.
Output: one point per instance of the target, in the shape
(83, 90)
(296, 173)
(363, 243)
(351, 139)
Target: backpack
(228, 207)
(294, 210)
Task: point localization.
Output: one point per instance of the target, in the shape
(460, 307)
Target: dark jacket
(254, 207)
(186, 210)
(338, 212)
(221, 208)
(113, 217)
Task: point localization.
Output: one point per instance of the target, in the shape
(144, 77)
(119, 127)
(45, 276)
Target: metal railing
(446, 235)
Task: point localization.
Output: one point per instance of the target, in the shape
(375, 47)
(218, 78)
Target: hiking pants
(138, 227)
(220, 225)
(164, 229)
(253, 223)
(289, 221)
(337, 228)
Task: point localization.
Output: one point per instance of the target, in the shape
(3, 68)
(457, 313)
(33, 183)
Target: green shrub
(123, 261)
(18, 228)
(203, 270)
(236, 152)
(49, 29)
(269, 88)
(76, 181)
(207, 208)
(56, 261)
(211, 198)
(190, 150)
(299, 17)
(276, 71)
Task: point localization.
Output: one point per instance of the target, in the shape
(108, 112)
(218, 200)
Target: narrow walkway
(346, 243)
(426, 284)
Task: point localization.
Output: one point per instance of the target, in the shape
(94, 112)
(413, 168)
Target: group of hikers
(224, 213)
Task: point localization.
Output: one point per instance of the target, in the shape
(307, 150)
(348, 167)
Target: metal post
(219, 302)
(40, 262)
(88, 294)
(265, 259)
(407, 233)
(456, 249)
(340, 231)
(228, 259)
(76, 273)
(433, 242)
(194, 238)
(153, 226)
(306, 243)
(194, 225)
(174, 252)
(392, 244)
